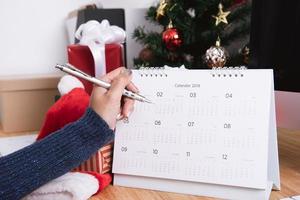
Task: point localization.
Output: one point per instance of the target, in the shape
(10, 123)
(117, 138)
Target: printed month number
(193, 94)
(155, 151)
(228, 95)
(157, 122)
(124, 149)
(159, 94)
(190, 124)
(224, 156)
(188, 154)
(227, 126)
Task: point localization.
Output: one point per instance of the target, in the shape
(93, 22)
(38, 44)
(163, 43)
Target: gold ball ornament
(216, 56)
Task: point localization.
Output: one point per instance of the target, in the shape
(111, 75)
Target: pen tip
(58, 66)
(148, 101)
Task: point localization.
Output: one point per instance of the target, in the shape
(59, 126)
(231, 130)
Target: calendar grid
(200, 128)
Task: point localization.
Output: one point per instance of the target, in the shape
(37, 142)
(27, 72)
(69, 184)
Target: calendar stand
(200, 189)
(135, 165)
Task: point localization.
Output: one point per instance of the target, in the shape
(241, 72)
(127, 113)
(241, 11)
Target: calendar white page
(204, 126)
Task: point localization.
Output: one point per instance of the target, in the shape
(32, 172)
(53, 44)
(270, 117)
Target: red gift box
(81, 57)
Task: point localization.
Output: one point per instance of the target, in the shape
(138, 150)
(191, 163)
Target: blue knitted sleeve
(29, 168)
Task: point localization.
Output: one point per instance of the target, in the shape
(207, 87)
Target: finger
(132, 87)
(100, 90)
(109, 77)
(128, 107)
(120, 116)
(113, 74)
(119, 84)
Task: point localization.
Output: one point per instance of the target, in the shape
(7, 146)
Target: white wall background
(33, 35)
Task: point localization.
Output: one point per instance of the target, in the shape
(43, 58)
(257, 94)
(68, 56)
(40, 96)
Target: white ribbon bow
(95, 35)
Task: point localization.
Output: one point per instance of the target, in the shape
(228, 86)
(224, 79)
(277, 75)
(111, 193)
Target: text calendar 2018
(204, 126)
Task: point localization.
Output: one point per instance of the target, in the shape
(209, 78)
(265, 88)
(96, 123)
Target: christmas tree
(190, 28)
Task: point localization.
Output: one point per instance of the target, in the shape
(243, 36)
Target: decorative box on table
(24, 100)
(81, 57)
(100, 162)
(99, 51)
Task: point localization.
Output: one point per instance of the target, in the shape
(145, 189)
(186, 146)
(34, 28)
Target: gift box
(100, 49)
(81, 57)
(100, 162)
(115, 16)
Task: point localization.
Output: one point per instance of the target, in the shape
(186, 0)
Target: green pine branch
(198, 31)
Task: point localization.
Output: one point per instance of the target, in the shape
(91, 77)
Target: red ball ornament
(172, 38)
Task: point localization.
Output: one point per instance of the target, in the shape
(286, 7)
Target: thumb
(119, 84)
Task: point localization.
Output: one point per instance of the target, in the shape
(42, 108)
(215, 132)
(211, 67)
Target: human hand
(108, 104)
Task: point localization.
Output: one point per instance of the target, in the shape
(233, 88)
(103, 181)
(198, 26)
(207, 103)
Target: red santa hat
(69, 108)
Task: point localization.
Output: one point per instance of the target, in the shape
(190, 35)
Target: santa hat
(70, 107)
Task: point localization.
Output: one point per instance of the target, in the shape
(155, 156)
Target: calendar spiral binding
(152, 72)
(215, 72)
(228, 71)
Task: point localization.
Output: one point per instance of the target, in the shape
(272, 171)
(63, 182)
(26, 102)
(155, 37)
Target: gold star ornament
(221, 16)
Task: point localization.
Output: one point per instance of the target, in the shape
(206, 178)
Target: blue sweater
(31, 167)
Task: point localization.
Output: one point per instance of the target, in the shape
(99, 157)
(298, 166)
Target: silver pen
(70, 69)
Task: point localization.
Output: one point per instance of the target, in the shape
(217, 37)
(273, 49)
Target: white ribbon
(95, 35)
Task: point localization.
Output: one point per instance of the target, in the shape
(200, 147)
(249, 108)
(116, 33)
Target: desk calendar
(208, 132)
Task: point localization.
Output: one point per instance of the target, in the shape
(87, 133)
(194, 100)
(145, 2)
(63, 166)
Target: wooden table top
(289, 160)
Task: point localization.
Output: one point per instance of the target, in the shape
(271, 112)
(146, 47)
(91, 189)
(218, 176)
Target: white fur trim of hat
(68, 83)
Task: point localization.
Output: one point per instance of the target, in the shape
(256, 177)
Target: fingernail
(125, 119)
(127, 71)
(120, 117)
(126, 115)
(135, 88)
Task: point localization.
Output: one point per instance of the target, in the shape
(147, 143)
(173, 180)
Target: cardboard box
(24, 101)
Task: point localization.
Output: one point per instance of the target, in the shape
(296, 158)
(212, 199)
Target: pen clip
(77, 70)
